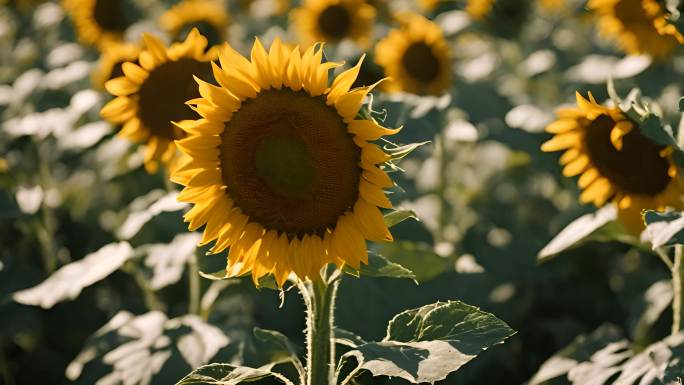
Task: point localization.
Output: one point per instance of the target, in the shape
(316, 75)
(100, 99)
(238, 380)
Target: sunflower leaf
(577, 231)
(226, 374)
(664, 228)
(277, 348)
(397, 216)
(428, 343)
(379, 266)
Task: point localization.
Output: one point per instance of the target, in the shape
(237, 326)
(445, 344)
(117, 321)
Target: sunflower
(209, 16)
(503, 18)
(99, 21)
(334, 20)
(152, 94)
(280, 166)
(638, 26)
(615, 161)
(114, 54)
(416, 57)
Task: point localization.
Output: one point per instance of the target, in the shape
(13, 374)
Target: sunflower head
(415, 57)
(151, 94)
(638, 26)
(503, 18)
(614, 160)
(280, 168)
(113, 55)
(334, 20)
(208, 16)
(99, 21)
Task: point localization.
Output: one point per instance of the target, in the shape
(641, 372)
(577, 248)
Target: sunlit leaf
(428, 343)
(379, 266)
(145, 208)
(664, 228)
(67, 282)
(395, 217)
(225, 374)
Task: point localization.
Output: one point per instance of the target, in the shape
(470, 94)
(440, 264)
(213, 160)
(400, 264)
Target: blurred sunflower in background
(277, 7)
(281, 169)
(99, 21)
(638, 26)
(415, 57)
(332, 21)
(503, 18)
(114, 54)
(208, 16)
(615, 161)
(152, 94)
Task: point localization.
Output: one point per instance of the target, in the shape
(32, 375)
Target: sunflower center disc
(110, 15)
(289, 163)
(334, 22)
(420, 63)
(165, 91)
(638, 168)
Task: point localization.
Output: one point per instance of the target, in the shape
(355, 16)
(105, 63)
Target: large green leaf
(577, 231)
(277, 348)
(379, 266)
(664, 228)
(605, 358)
(428, 343)
(225, 374)
(418, 257)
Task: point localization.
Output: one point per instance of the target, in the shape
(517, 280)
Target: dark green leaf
(664, 228)
(577, 231)
(417, 257)
(277, 347)
(347, 338)
(225, 374)
(428, 343)
(397, 216)
(379, 266)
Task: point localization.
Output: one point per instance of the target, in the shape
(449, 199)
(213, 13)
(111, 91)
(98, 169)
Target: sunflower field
(341, 192)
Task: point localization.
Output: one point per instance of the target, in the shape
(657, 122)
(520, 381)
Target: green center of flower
(289, 163)
(164, 93)
(110, 15)
(285, 165)
(334, 22)
(420, 62)
(637, 168)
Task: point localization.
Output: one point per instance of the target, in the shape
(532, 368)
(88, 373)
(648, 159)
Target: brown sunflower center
(110, 15)
(420, 62)
(334, 22)
(632, 14)
(289, 163)
(164, 93)
(638, 168)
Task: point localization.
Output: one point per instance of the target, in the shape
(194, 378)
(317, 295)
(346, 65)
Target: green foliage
(379, 266)
(428, 343)
(664, 228)
(225, 374)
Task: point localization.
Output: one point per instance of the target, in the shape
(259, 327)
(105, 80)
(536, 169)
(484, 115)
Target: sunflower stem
(193, 286)
(320, 366)
(677, 274)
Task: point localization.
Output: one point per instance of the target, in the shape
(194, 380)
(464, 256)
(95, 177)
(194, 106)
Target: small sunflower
(638, 26)
(615, 161)
(503, 18)
(335, 20)
(152, 94)
(415, 57)
(280, 166)
(208, 16)
(99, 21)
(113, 55)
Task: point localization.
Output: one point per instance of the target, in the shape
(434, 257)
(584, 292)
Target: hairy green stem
(677, 274)
(320, 364)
